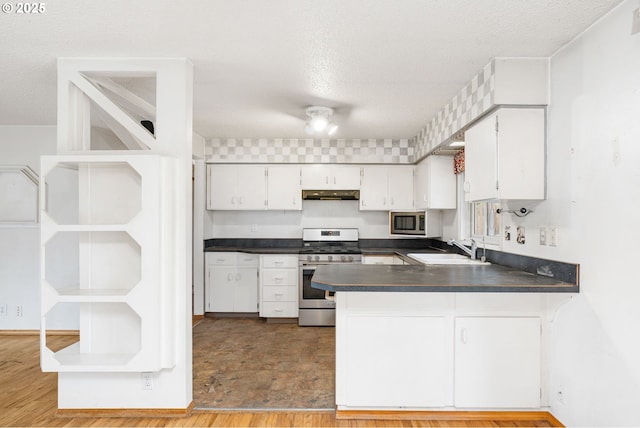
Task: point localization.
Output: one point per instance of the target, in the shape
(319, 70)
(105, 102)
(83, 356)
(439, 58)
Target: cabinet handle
(238, 277)
(220, 260)
(384, 201)
(334, 180)
(326, 179)
(233, 200)
(240, 200)
(463, 335)
(278, 278)
(392, 201)
(278, 263)
(230, 277)
(278, 310)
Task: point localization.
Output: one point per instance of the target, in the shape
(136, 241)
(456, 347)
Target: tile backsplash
(309, 150)
(470, 103)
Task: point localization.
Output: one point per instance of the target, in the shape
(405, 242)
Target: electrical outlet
(3, 309)
(147, 381)
(19, 311)
(561, 396)
(553, 236)
(543, 236)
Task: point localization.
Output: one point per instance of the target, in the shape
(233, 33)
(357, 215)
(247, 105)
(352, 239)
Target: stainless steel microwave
(407, 222)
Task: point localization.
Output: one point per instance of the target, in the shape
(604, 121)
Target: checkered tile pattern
(309, 150)
(472, 101)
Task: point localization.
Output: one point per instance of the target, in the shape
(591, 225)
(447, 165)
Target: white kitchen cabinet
(435, 184)
(386, 188)
(410, 365)
(279, 286)
(505, 156)
(497, 362)
(284, 191)
(231, 282)
(330, 177)
(236, 187)
(383, 259)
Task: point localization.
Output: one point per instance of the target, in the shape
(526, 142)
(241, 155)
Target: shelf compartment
(92, 263)
(110, 337)
(92, 193)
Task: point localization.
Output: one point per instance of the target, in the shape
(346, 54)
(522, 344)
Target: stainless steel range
(322, 247)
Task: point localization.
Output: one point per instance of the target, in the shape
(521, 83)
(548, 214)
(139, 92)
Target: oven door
(310, 298)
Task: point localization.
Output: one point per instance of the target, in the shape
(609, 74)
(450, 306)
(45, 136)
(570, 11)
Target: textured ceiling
(386, 66)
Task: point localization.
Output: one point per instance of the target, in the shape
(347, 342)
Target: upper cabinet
(505, 156)
(435, 184)
(328, 177)
(386, 188)
(236, 187)
(283, 187)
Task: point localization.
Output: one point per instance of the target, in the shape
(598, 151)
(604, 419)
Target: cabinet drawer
(279, 310)
(280, 294)
(279, 261)
(245, 259)
(220, 259)
(280, 277)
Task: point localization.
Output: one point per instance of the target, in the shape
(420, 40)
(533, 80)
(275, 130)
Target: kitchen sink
(445, 259)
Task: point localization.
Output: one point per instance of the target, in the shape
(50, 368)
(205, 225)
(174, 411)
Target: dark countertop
(434, 278)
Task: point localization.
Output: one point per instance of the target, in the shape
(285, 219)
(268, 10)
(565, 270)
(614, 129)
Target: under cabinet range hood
(331, 195)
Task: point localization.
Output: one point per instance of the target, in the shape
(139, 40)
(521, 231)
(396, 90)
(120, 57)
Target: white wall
(20, 245)
(593, 198)
(289, 224)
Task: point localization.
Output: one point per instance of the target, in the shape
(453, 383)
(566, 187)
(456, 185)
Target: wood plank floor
(28, 397)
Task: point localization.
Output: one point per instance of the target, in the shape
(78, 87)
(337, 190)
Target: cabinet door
(283, 188)
(410, 365)
(373, 190)
(435, 184)
(246, 290)
(346, 177)
(252, 188)
(400, 187)
(221, 186)
(497, 362)
(222, 282)
(481, 175)
(521, 154)
(315, 177)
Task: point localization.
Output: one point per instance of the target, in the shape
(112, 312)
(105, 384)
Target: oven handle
(328, 296)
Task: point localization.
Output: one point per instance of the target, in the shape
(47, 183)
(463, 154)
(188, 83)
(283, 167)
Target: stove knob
(330, 258)
(343, 258)
(317, 258)
(308, 258)
(350, 258)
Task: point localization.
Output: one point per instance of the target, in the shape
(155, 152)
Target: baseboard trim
(37, 333)
(445, 415)
(125, 413)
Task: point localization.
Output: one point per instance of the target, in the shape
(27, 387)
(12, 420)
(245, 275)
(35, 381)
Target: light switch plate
(553, 236)
(543, 236)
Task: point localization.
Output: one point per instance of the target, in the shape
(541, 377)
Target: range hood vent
(331, 195)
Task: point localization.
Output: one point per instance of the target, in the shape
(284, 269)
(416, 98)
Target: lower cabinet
(410, 365)
(279, 286)
(385, 259)
(438, 350)
(497, 362)
(231, 282)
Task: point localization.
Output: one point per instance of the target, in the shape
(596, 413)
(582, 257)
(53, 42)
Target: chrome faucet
(470, 252)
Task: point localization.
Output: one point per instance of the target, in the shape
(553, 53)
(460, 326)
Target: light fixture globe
(319, 120)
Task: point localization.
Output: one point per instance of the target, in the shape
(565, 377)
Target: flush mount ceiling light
(319, 121)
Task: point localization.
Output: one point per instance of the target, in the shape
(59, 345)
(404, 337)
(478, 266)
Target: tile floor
(250, 364)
